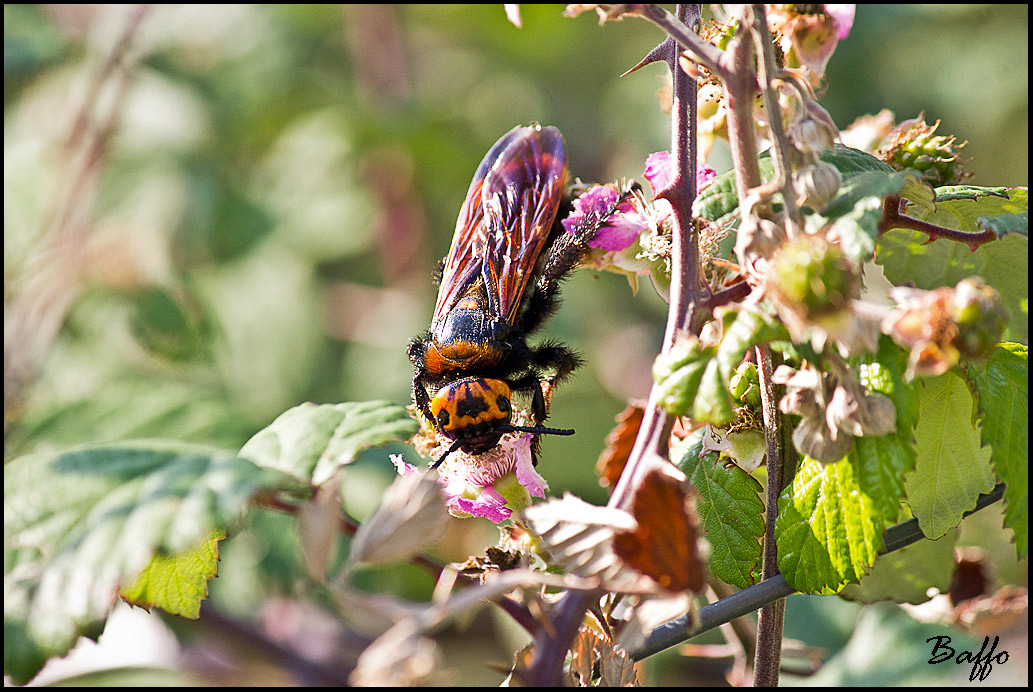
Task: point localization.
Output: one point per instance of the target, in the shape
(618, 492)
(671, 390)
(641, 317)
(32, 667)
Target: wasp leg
(417, 348)
(560, 359)
(560, 259)
(539, 409)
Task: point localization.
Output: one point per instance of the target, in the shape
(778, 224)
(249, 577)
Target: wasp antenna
(440, 459)
(538, 430)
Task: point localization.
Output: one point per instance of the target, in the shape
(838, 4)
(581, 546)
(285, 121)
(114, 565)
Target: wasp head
(471, 410)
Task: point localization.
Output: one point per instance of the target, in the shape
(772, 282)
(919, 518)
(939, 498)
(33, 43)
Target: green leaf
(954, 193)
(952, 468)
(719, 202)
(856, 229)
(177, 583)
(694, 380)
(312, 441)
(163, 324)
(889, 648)
(877, 184)
(130, 676)
(1002, 383)
(828, 531)
(881, 462)
(908, 259)
(918, 192)
(81, 524)
(732, 514)
(908, 575)
(1006, 223)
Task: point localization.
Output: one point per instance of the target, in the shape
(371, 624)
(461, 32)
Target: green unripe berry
(814, 277)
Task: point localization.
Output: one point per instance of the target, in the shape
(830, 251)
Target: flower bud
(745, 385)
(817, 184)
(811, 136)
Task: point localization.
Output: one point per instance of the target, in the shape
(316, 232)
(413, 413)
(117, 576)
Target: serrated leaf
(952, 468)
(908, 575)
(855, 230)
(312, 441)
(908, 259)
(918, 192)
(731, 512)
(953, 193)
(828, 531)
(177, 583)
(1002, 383)
(867, 185)
(78, 525)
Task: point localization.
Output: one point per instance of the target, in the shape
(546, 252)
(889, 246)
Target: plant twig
(771, 617)
(650, 450)
(687, 297)
(892, 218)
(767, 70)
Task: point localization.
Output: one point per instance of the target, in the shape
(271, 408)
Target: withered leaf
(664, 545)
(594, 662)
(618, 445)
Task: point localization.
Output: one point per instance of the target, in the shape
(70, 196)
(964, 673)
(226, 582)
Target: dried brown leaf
(399, 658)
(664, 545)
(319, 529)
(618, 445)
(594, 662)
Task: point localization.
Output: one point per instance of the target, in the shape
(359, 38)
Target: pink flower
(844, 16)
(619, 224)
(809, 33)
(492, 485)
(660, 172)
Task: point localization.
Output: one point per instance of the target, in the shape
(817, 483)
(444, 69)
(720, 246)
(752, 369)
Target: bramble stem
(892, 218)
(651, 445)
(687, 297)
(771, 617)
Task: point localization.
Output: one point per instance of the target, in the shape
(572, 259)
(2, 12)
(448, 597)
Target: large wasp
(498, 284)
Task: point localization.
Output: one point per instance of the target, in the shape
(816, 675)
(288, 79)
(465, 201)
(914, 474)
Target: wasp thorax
(470, 402)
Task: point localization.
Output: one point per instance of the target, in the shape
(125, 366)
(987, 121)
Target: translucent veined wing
(505, 220)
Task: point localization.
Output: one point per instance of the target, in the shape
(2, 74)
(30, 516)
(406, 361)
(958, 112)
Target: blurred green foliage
(282, 179)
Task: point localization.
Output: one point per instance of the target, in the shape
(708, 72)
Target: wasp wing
(505, 220)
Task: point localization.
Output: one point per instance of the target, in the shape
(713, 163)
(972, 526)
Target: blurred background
(214, 213)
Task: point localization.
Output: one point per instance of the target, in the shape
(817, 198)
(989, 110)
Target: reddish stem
(892, 218)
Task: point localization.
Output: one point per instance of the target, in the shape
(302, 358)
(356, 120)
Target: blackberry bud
(811, 137)
(744, 385)
(976, 309)
(813, 277)
(914, 145)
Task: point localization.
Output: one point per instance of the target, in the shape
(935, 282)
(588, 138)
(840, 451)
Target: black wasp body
(498, 284)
